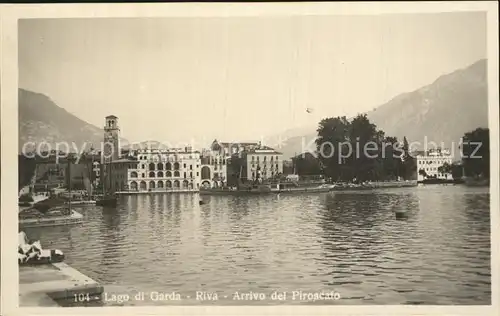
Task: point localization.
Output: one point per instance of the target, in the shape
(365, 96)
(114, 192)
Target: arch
(185, 184)
(160, 174)
(160, 184)
(205, 172)
(160, 166)
(168, 166)
(152, 185)
(177, 174)
(133, 174)
(177, 184)
(168, 174)
(206, 184)
(176, 166)
(143, 185)
(152, 166)
(133, 185)
(168, 184)
(151, 174)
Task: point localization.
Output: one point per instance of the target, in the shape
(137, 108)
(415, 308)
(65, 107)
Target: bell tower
(112, 150)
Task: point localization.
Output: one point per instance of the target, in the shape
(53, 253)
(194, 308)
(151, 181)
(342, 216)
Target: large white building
(430, 161)
(165, 170)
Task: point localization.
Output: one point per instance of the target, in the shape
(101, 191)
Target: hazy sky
(238, 78)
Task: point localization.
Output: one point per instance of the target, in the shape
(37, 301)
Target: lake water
(346, 243)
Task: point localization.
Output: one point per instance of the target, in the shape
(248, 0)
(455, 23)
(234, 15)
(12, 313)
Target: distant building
(430, 161)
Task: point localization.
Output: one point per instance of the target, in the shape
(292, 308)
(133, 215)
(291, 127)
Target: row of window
(253, 158)
(168, 166)
(429, 162)
(265, 166)
(158, 157)
(160, 174)
(264, 174)
(143, 185)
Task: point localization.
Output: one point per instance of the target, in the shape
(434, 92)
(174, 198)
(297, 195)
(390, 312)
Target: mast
(69, 183)
(293, 163)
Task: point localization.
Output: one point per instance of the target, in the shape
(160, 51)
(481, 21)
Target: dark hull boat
(107, 201)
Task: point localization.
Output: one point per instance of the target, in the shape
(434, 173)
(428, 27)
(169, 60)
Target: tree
(365, 157)
(422, 173)
(476, 153)
(456, 171)
(408, 162)
(356, 150)
(306, 165)
(445, 169)
(332, 134)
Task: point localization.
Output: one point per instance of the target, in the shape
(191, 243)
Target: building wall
(431, 163)
(214, 168)
(159, 170)
(270, 165)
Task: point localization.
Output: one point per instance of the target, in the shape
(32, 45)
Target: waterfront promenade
(56, 284)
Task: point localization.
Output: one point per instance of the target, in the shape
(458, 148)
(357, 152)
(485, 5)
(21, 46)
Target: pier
(56, 284)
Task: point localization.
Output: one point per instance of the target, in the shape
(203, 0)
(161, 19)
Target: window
(143, 175)
(197, 174)
(190, 167)
(184, 165)
(185, 176)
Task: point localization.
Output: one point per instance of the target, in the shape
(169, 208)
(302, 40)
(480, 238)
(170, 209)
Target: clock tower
(111, 149)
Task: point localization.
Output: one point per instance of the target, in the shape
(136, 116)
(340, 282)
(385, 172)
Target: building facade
(429, 163)
(165, 170)
(251, 162)
(214, 164)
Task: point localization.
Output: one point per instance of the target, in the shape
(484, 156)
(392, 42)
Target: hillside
(441, 111)
(40, 119)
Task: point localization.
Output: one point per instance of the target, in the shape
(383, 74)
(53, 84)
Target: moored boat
(107, 201)
(57, 216)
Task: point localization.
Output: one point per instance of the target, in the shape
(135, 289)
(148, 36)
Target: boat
(343, 186)
(58, 216)
(253, 189)
(82, 202)
(297, 187)
(53, 211)
(107, 199)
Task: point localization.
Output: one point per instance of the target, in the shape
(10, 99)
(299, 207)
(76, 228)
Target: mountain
(442, 112)
(41, 120)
